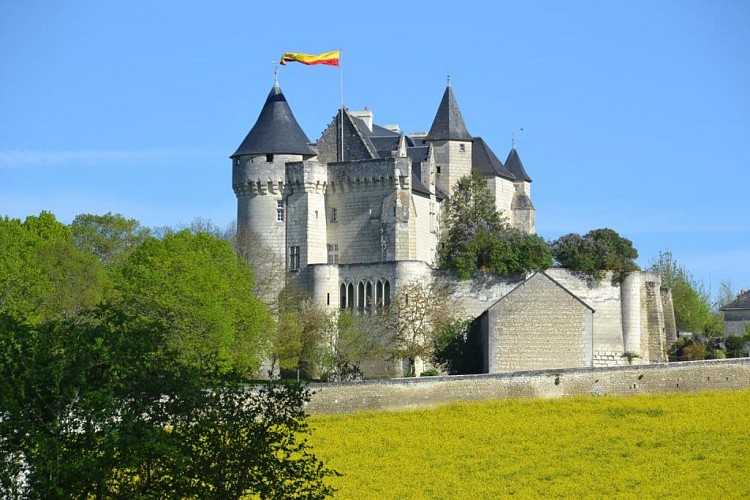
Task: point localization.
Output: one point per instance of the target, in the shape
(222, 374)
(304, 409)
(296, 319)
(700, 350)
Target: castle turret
(451, 143)
(523, 214)
(259, 181)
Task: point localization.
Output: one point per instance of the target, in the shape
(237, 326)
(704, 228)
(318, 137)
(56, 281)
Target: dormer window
(269, 157)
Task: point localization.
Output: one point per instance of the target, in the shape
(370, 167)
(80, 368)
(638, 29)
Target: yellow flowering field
(693, 445)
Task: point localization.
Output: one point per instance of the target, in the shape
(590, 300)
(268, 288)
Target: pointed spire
(276, 130)
(448, 123)
(515, 166)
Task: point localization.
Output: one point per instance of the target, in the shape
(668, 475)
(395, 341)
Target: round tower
(259, 181)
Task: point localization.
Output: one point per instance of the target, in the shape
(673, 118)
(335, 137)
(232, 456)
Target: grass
(652, 446)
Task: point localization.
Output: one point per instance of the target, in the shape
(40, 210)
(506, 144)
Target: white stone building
(354, 215)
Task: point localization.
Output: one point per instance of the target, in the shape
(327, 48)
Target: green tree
(42, 275)
(350, 341)
(596, 252)
(299, 342)
(100, 407)
(415, 317)
(109, 237)
(456, 351)
(200, 292)
(692, 306)
(478, 237)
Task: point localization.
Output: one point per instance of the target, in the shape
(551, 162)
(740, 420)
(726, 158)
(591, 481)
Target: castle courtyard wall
(425, 392)
(606, 300)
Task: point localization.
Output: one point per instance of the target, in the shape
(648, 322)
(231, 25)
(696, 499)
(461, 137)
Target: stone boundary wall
(423, 392)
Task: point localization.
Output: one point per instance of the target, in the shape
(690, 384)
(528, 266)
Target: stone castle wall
(425, 392)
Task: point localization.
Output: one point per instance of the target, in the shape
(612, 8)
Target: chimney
(365, 115)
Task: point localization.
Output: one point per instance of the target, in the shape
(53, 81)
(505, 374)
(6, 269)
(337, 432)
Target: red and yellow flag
(329, 58)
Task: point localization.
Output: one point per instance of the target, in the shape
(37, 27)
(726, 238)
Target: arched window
(379, 294)
(368, 296)
(350, 296)
(361, 296)
(342, 296)
(386, 293)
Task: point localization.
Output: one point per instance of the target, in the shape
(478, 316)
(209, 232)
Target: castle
(355, 215)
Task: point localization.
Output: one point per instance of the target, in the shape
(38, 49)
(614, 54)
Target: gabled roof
(448, 124)
(741, 302)
(276, 130)
(485, 161)
(513, 163)
(535, 276)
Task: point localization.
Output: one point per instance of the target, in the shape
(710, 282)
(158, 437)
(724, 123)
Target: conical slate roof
(276, 130)
(448, 124)
(514, 165)
(485, 161)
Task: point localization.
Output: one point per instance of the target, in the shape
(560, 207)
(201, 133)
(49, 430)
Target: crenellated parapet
(260, 174)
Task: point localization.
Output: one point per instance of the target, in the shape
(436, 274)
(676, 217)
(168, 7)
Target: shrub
(430, 373)
(695, 351)
(735, 345)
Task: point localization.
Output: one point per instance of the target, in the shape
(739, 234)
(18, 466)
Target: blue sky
(633, 115)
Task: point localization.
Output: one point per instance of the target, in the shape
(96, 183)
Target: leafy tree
(351, 340)
(692, 307)
(595, 252)
(42, 274)
(201, 293)
(299, 341)
(109, 237)
(101, 407)
(456, 351)
(735, 345)
(414, 318)
(479, 238)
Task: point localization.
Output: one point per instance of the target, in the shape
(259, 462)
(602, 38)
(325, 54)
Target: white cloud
(54, 158)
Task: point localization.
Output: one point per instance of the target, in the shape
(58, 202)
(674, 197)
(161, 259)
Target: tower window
(334, 215)
(279, 210)
(269, 157)
(294, 258)
(438, 168)
(462, 148)
(333, 253)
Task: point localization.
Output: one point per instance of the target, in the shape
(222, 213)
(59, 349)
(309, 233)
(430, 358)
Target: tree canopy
(42, 274)
(597, 251)
(478, 237)
(200, 292)
(109, 237)
(692, 305)
(119, 355)
(99, 406)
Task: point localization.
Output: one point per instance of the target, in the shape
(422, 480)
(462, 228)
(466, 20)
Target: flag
(329, 58)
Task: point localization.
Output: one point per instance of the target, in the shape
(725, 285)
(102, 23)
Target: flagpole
(341, 92)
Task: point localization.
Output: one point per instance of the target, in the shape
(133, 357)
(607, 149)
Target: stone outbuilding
(539, 325)
(737, 315)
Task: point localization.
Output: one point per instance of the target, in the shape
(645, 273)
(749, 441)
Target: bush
(430, 373)
(735, 345)
(595, 252)
(695, 351)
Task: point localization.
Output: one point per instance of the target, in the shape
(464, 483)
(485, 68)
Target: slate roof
(514, 165)
(276, 130)
(741, 302)
(448, 124)
(485, 161)
(384, 145)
